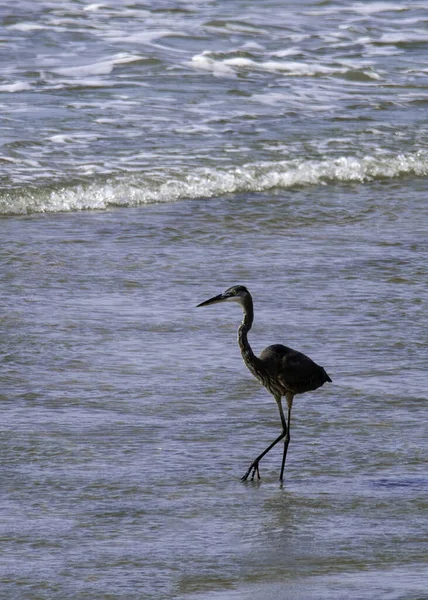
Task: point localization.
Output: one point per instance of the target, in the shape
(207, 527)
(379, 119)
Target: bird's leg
(254, 467)
(289, 397)
(254, 470)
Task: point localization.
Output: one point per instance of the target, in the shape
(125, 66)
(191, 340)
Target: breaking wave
(137, 190)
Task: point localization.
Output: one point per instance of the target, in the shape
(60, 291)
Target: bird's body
(290, 371)
(282, 370)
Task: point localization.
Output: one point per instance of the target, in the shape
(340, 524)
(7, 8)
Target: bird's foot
(253, 470)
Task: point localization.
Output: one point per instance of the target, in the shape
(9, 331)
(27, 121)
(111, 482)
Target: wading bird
(283, 371)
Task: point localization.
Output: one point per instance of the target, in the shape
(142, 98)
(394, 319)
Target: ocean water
(152, 155)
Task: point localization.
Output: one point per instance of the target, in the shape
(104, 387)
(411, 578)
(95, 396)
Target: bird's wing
(297, 372)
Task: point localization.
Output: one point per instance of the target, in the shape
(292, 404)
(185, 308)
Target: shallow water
(128, 416)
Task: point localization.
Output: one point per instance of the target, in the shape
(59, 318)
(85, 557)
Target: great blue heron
(283, 371)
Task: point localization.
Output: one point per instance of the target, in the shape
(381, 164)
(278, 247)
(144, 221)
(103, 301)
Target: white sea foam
(104, 67)
(79, 138)
(370, 8)
(319, 102)
(26, 26)
(206, 183)
(360, 8)
(286, 52)
(60, 139)
(204, 62)
(18, 86)
(101, 68)
(404, 37)
(252, 46)
(140, 37)
(229, 66)
(93, 7)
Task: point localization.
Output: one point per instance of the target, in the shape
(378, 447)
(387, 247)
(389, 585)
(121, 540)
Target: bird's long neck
(246, 351)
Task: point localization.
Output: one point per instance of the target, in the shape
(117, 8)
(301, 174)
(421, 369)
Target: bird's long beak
(214, 300)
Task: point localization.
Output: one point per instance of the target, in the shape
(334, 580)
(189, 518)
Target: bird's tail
(327, 376)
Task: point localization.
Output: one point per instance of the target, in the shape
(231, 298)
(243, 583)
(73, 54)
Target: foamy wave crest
(230, 67)
(207, 183)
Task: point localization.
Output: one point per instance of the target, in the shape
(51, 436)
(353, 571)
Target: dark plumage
(282, 370)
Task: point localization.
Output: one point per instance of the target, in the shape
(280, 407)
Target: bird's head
(236, 293)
